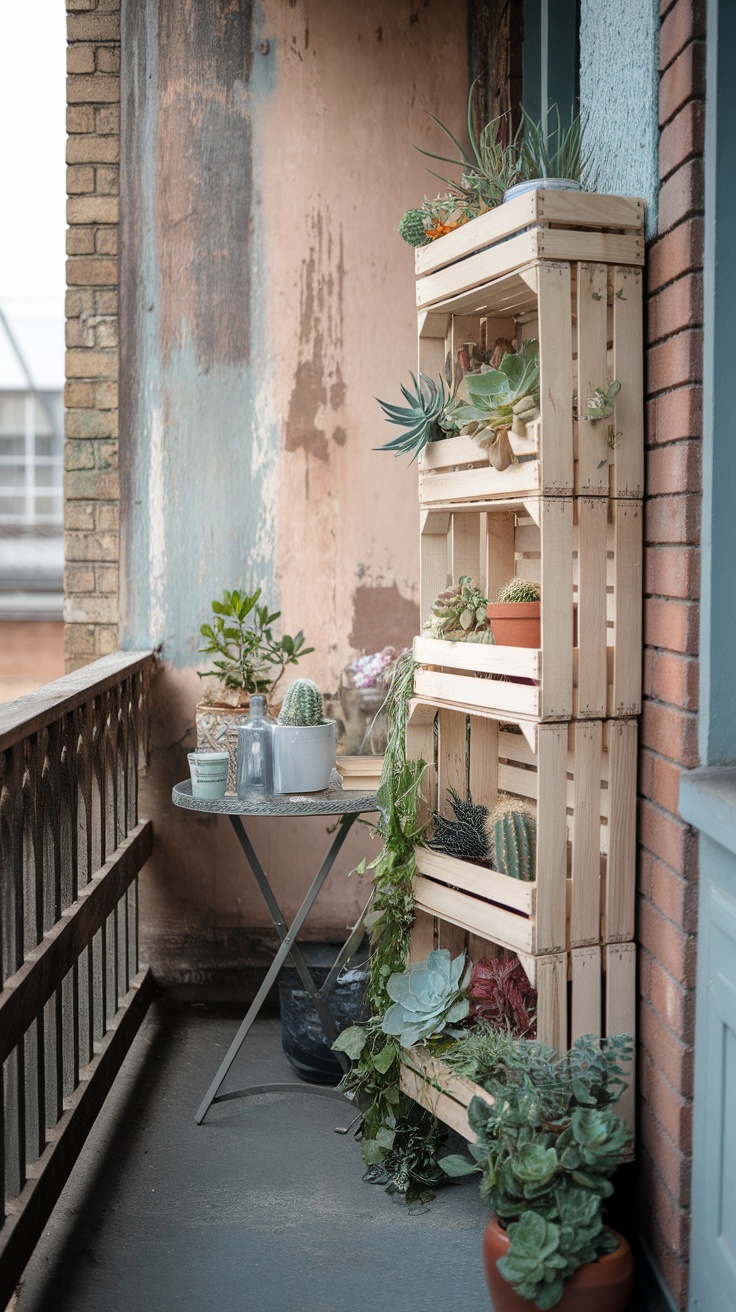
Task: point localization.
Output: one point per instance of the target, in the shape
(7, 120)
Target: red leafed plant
(500, 993)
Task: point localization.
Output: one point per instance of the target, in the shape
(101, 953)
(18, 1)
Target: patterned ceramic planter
(217, 731)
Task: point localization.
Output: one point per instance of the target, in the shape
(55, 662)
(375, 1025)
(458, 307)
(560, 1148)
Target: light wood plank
(478, 658)
(452, 754)
(500, 552)
(420, 747)
(491, 922)
(480, 484)
(484, 761)
(552, 839)
(465, 547)
(592, 655)
(628, 368)
(627, 659)
(453, 937)
(551, 984)
(557, 607)
(445, 1108)
(422, 939)
(488, 264)
(592, 335)
(431, 355)
(585, 921)
(517, 699)
(621, 871)
(434, 564)
(620, 963)
(477, 880)
(586, 992)
(606, 247)
(555, 390)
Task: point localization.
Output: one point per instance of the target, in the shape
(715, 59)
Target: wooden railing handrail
(35, 710)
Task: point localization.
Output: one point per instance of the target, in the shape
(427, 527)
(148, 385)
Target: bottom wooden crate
(434, 1086)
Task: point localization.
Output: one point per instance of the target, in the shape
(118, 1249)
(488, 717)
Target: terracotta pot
(516, 623)
(602, 1286)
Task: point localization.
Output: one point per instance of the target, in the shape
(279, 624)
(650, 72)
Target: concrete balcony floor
(261, 1209)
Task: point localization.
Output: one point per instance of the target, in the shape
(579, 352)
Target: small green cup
(209, 773)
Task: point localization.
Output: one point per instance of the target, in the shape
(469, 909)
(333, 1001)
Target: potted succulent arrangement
(516, 616)
(249, 660)
(303, 741)
(459, 614)
(505, 839)
(501, 164)
(547, 1143)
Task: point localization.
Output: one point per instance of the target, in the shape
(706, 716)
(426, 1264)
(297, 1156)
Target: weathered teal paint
(619, 57)
(198, 440)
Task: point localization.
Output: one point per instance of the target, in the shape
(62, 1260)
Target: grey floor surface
(261, 1209)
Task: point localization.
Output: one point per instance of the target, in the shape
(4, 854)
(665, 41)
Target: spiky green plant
(303, 704)
(513, 827)
(549, 150)
(412, 228)
(519, 590)
(468, 835)
(459, 614)
(427, 417)
(488, 171)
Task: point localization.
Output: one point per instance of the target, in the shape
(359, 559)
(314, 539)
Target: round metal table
(333, 801)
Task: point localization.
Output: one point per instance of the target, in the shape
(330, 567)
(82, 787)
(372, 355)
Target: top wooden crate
(579, 291)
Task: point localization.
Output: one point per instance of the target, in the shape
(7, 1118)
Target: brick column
(91, 495)
(668, 853)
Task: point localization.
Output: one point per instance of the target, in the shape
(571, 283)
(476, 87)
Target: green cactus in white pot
(304, 741)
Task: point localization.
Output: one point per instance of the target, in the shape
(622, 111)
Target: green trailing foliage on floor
(399, 1140)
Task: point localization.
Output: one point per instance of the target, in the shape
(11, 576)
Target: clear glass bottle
(255, 752)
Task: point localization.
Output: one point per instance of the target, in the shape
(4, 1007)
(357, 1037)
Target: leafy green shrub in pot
(546, 1148)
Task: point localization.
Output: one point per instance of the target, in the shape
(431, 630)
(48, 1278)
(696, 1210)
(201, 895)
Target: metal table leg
(288, 947)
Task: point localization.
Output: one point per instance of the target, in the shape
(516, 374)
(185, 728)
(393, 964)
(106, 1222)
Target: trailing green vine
(399, 1140)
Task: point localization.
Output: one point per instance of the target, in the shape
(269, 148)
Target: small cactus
(513, 827)
(412, 228)
(303, 704)
(519, 590)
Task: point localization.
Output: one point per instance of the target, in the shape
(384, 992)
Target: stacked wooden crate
(555, 725)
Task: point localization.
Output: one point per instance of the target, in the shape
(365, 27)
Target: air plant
(428, 416)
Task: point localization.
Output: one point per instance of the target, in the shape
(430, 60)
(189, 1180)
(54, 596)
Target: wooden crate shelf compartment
(581, 778)
(586, 554)
(585, 991)
(588, 321)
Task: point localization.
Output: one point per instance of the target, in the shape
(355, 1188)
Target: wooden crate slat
(592, 341)
(607, 247)
(621, 869)
(465, 546)
(551, 985)
(585, 920)
(479, 658)
(551, 838)
(472, 484)
(469, 913)
(452, 767)
(433, 559)
(448, 283)
(620, 1018)
(628, 368)
(483, 760)
(515, 894)
(556, 530)
(628, 590)
(592, 682)
(423, 933)
(555, 389)
(586, 1014)
(473, 694)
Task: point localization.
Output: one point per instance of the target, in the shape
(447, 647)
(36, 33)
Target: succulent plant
(519, 590)
(303, 704)
(459, 614)
(412, 229)
(549, 150)
(490, 169)
(428, 998)
(427, 417)
(502, 398)
(600, 404)
(467, 836)
(513, 828)
(500, 993)
(546, 1148)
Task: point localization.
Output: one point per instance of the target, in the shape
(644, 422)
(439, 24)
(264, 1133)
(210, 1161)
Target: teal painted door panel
(713, 1248)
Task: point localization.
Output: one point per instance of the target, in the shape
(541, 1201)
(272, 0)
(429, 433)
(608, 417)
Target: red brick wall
(668, 851)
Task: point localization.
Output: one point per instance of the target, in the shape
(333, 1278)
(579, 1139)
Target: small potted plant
(249, 659)
(303, 741)
(516, 616)
(546, 1148)
(459, 614)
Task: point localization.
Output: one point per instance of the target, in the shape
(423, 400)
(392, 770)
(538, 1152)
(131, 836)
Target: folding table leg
(287, 948)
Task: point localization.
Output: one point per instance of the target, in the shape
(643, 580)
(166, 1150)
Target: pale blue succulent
(428, 998)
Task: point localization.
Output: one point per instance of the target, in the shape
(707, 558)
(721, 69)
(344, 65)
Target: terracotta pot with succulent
(249, 659)
(516, 616)
(304, 741)
(546, 1148)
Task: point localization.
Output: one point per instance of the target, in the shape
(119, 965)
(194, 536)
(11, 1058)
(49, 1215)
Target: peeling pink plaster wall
(334, 171)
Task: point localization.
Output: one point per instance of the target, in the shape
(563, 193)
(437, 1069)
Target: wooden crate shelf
(586, 991)
(581, 776)
(588, 320)
(586, 553)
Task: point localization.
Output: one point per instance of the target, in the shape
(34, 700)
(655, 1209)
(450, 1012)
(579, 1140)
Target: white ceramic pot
(541, 184)
(303, 756)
